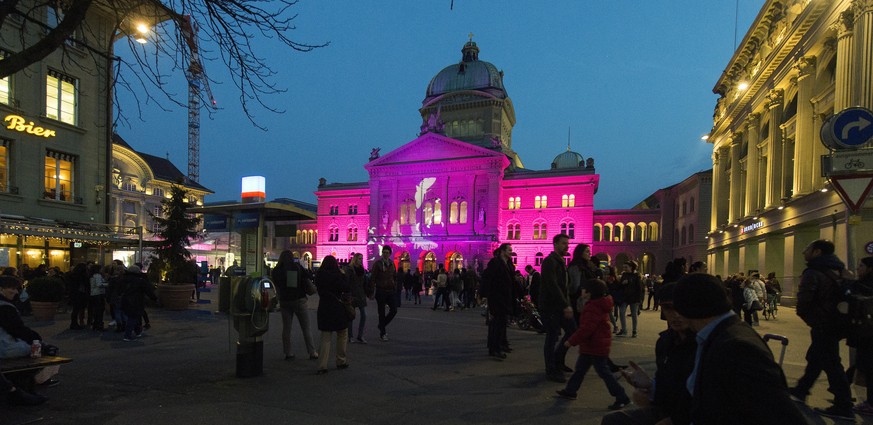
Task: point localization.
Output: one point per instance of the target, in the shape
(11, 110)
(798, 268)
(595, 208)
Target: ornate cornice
(861, 7)
(805, 66)
(752, 121)
(845, 24)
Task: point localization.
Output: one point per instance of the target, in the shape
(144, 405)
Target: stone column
(845, 60)
(717, 163)
(863, 47)
(775, 101)
(804, 135)
(734, 213)
(752, 159)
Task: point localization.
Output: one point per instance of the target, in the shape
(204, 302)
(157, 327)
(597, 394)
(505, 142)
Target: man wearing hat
(735, 379)
(666, 396)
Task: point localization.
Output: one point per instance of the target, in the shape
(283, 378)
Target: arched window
(538, 202)
(684, 235)
(569, 229)
(684, 208)
(572, 200)
(690, 233)
(618, 232)
(437, 212)
(352, 233)
(538, 259)
(513, 231)
(536, 231)
(607, 233)
(628, 233)
(517, 202)
(692, 204)
(511, 203)
(653, 231)
(514, 259)
(565, 201)
(596, 235)
(333, 234)
(639, 232)
(453, 212)
(463, 213)
(545, 201)
(428, 213)
(676, 238)
(410, 207)
(404, 217)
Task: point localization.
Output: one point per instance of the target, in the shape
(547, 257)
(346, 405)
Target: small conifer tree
(176, 228)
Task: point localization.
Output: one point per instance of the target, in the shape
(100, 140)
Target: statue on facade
(374, 154)
(433, 123)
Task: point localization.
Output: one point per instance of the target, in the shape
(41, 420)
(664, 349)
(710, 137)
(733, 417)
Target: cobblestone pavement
(434, 369)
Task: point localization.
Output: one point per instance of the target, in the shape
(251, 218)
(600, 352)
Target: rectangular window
(5, 87)
(59, 176)
(60, 97)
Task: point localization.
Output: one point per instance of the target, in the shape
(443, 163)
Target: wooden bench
(22, 364)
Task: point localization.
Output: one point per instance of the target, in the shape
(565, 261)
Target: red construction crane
(197, 81)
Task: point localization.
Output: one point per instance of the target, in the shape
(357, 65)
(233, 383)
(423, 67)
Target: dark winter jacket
(818, 289)
(554, 297)
(594, 334)
(674, 357)
(10, 321)
(632, 287)
(136, 288)
(384, 276)
(297, 290)
(331, 285)
(358, 283)
(498, 280)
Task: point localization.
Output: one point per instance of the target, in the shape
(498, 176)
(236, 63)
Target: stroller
(528, 316)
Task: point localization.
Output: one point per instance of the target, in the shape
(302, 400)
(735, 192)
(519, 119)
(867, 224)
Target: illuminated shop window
(59, 176)
(352, 233)
(4, 164)
(60, 97)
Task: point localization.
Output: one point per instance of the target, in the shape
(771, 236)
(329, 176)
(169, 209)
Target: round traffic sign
(869, 248)
(850, 128)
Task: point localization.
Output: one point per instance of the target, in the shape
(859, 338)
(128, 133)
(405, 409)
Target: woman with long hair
(332, 317)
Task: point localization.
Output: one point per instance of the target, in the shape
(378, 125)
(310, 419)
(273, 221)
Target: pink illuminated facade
(456, 192)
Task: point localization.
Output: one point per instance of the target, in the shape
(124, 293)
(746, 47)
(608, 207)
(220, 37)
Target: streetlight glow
(142, 28)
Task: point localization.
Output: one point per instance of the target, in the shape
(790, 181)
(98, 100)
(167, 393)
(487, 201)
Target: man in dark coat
(554, 306)
(535, 283)
(735, 379)
(384, 277)
(499, 279)
(816, 305)
(136, 288)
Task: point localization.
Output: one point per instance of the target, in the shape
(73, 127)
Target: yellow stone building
(801, 62)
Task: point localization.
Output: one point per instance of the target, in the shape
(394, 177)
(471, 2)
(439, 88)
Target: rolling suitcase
(780, 338)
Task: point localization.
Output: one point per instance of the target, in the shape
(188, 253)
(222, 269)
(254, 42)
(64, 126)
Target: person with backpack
(817, 299)
(859, 332)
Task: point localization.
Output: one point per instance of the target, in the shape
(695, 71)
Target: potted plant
(176, 228)
(45, 293)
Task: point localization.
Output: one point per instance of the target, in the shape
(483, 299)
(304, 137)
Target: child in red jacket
(594, 337)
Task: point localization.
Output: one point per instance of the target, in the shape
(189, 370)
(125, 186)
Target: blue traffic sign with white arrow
(851, 128)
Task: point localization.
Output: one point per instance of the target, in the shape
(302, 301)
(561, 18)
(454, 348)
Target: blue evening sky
(632, 80)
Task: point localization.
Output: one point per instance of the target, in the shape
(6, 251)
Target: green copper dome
(568, 159)
(469, 74)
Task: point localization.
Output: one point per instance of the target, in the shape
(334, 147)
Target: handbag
(346, 301)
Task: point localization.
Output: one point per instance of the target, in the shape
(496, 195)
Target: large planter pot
(44, 310)
(176, 296)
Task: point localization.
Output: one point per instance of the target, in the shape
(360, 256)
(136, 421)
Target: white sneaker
(112, 323)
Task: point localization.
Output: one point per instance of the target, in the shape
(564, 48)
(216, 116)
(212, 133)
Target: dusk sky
(631, 80)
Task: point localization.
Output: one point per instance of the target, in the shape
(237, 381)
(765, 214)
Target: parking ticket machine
(252, 300)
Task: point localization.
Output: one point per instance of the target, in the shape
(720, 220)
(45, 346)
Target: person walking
(555, 310)
(361, 290)
(863, 346)
(632, 296)
(416, 287)
(816, 304)
(290, 280)
(384, 277)
(332, 318)
(497, 282)
(594, 338)
(97, 299)
(136, 289)
(441, 285)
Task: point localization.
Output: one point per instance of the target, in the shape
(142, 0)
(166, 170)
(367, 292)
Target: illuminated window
(59, 176)
(4, 164)
(538, 259)
(158, 191)
(128, 186)
(565, 201)
(511, 203)
(352, 233)
(538, 202)
(333, 234)
(463, 213)
(572, 200)
(539, 231)
(513, 231)
(568, 229)
(404, 217)
(545, 201)
(437, 212)
(60, 97)
(5, 94)
(428, 213)
(410, 206)
(453, 213)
